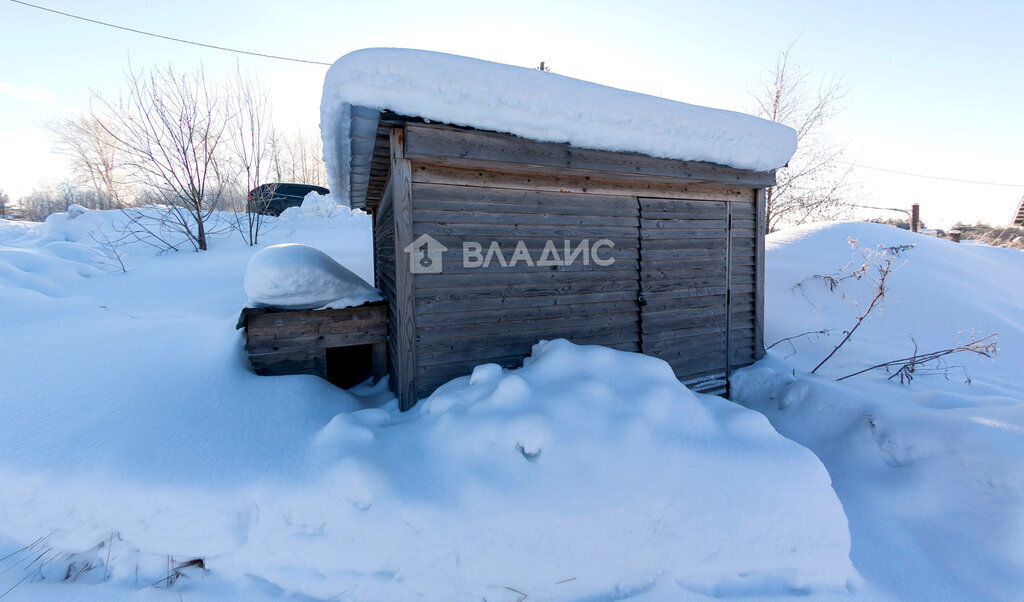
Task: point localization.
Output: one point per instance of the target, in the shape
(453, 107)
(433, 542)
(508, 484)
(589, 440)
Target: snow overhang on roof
(528, 103)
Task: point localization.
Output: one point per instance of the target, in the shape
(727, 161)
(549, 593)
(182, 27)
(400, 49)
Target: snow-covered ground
(133, 440)
(931, 474)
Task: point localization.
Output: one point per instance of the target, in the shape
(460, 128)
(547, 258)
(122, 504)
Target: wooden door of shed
(684, 276)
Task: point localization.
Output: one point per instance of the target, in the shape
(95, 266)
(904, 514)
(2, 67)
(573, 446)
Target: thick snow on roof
(297, 276)
(532, 104)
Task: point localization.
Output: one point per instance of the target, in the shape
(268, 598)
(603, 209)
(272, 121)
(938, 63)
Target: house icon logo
(425, 255)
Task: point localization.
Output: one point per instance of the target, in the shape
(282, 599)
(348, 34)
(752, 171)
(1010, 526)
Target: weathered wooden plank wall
(684, 280)
(743, 266)
(690, 247)
(296, 342)
(384, 268)
(502, 152)
(759, 258)
(495, 313)
(673, 250)
(404, 328)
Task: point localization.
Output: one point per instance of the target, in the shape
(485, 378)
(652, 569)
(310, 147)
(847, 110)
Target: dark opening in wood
(349, 366)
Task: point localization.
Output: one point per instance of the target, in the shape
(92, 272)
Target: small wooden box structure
(305, 342)
(686, 284)
(654, 210)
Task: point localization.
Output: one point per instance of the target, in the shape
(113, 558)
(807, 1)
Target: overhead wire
(171, 38)
(931, 177)
(312, 62)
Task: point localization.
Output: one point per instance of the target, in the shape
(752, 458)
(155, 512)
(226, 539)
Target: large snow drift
(588, 474)
(930, 473)
(536, 105)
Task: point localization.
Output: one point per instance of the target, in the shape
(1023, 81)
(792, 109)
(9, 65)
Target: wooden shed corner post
(760, 230)
(405, 386)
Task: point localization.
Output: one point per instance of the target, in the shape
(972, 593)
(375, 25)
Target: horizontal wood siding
(445, 145)
(684, 278)
(759, 233)
(296, 342)
(466, 316)
(743, 324)
(384, 268)
(675, 250)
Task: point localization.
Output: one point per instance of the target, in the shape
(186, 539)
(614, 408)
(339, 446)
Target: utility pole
(915, 218)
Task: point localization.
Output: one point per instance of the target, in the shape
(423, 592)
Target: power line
(919, 175)
(173, 39)
(310, 62)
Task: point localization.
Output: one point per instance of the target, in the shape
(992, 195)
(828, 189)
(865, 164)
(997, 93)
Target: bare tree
(297, 158)
(86, 140)
(250, 136)
(811, 186)
(44, 199)
(4, 201)
(278, 159)
(169, 128)
(307, 157)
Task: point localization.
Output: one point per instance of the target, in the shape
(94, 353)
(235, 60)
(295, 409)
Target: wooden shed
(486, 242)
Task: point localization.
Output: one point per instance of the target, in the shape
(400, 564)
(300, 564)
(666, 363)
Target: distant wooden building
(667, 256)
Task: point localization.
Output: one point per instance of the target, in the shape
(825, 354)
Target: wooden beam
(627, 185)
(759, 233)
(728, 300)
(405, 386)
(473, 148)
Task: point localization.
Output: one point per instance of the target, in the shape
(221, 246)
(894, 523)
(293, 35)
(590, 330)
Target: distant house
(1018, 217)
(512, 205)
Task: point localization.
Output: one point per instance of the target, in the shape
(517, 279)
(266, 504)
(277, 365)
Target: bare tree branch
(906, 366)
(168, 129)
(249, 147)
(812, 186)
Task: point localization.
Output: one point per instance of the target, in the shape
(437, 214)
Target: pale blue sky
(934, 88)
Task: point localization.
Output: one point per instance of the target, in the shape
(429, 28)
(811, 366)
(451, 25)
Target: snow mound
(296, 276)
(43, 258)
(940, 294)
(929, 473)
(532, 104)
(77, 224)
(314, 206)
(587, 474)
(706, 488)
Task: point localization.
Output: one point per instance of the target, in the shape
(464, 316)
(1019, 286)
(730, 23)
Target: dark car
(274, 197)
